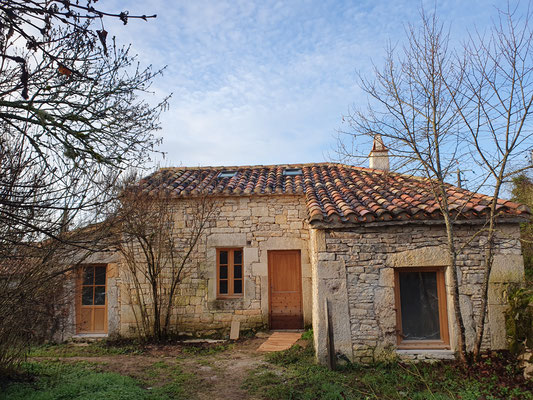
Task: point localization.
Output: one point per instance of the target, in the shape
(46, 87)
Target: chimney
(379, 156)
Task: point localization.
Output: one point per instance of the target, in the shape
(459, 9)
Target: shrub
(519, 320)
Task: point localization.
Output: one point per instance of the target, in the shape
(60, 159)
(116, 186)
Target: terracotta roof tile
(333, 192)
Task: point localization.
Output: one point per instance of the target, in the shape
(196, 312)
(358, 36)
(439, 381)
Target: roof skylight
(227, 173)
(292, 171)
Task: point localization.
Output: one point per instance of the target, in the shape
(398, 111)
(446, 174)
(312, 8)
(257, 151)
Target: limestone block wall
(256, 224)
(356, 267)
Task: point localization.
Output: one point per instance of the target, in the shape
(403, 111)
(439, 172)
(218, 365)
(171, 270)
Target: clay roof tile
(333, 192)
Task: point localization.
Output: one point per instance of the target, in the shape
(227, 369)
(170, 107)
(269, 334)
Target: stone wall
(356, 267)
(257, 224)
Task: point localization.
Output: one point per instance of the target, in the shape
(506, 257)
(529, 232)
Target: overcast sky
(267, 82)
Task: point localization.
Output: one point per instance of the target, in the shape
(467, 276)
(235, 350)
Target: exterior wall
(358, 264)
(257, 224)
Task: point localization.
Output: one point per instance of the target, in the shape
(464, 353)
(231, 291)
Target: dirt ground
(218, 369)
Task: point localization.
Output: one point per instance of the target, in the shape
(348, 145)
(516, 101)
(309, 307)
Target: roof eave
(477, 221)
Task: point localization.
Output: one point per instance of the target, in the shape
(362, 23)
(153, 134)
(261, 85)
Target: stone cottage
(289, 237)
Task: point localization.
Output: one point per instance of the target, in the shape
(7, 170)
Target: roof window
(227, 173)
(292, 171)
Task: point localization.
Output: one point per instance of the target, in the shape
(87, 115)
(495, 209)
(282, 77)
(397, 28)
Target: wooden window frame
(231, 279)
(444, 342)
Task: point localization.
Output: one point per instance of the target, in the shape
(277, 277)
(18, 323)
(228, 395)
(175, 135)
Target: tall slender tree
(73, 116)
(438, 107)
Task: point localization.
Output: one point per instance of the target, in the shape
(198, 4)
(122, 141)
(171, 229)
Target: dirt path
(217, 374)
(221, 376)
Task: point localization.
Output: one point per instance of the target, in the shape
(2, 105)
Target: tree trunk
(489, 258)
(452, 263)
(157, 317)
(480, 323)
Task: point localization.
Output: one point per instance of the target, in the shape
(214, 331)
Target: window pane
(99, 295)
(237, 272)
(237, 257)
(88, 275)
(223, 287)
(99, 276)
(223, 272)
(87, 296)
(420, 305)
(237, 286)
(223, 257)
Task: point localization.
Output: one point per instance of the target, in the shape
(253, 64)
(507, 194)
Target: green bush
(519, 320)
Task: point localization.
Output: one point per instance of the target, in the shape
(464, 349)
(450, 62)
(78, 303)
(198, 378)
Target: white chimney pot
(379, 155)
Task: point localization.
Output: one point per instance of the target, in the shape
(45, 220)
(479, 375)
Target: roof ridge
(325, 163)
(255, 166)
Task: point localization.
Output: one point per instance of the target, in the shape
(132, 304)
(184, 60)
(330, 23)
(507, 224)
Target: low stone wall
(356, 267)
(256, 224)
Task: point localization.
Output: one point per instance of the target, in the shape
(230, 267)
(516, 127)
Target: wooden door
(285, 289)
(92, 299)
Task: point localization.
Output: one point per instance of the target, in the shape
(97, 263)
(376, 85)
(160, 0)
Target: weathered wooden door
(92, 300)
(285, 289)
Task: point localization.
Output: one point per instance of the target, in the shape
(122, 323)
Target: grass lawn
(237, 371)
(47, 380)
(56, 380)
(91, 349)
(292, 374)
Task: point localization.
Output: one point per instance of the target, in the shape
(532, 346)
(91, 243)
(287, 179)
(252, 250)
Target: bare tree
(38, 24)
(34, 299)
(159, 237)
(441, 107)
(414, 112)
(71, 120)
(497, 116)
(72, 100)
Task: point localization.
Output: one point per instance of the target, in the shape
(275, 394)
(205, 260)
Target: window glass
(237, 257)
(88, 275)
(87, 296)
(419, 305)
(237, 286)
(223, 257)
(223, 272)
(99, 276)
(292, 171)
(237, 274)
(224, 287)
(99, 295)
(227, 174)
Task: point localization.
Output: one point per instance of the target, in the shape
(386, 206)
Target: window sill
(425, 354)
(423, 345)
(227, 303)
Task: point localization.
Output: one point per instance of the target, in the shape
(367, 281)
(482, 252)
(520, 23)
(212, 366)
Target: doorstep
(279, 341)
(89, 336)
